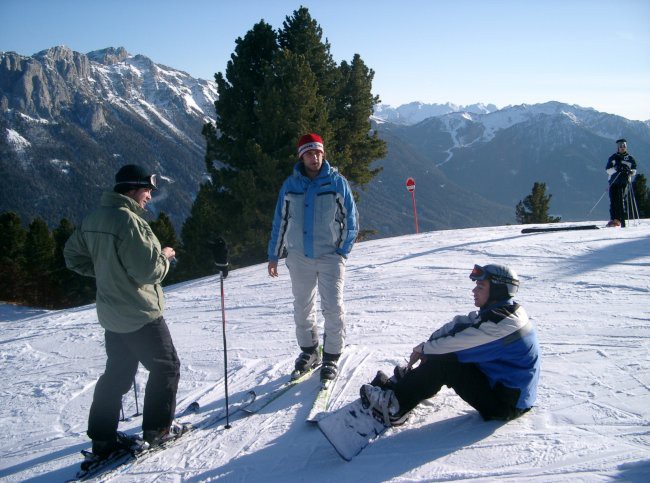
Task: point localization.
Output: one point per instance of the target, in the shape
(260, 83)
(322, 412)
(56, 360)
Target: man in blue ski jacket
(490, 358)
(316, 221)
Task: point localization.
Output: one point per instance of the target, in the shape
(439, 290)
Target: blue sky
(594, 53)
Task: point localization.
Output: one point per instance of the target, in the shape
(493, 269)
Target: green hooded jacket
(117, 247)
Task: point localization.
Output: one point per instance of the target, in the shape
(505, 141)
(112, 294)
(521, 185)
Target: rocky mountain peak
(108, 56)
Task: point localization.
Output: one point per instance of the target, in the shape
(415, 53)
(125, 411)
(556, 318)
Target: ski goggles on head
(478, 273)
(482, 273)
(147, 182)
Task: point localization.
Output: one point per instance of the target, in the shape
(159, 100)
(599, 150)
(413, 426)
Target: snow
(18, 142)
(586, 291)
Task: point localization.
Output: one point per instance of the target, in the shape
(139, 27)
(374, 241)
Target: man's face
(622, 147)
(141, 196)
(312, 160)
(481, 292)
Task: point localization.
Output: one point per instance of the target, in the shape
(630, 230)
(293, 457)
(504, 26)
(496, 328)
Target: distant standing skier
(315, 219)
(490, 358)
(117, 247)
(621, 168)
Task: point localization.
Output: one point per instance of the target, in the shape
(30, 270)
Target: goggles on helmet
(149, 182)
(481, 273)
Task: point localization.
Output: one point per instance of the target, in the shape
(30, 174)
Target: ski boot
(306, 361)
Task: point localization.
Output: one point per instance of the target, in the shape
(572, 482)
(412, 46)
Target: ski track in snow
(588, 292)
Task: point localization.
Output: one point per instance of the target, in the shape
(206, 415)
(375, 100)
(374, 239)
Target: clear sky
(594, 53)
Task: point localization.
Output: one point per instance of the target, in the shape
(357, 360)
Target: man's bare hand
(273, 268)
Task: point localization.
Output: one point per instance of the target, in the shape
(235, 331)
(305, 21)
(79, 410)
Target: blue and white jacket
(314, 217)
(500, 340)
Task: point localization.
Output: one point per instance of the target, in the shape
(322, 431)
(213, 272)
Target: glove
(220, 255)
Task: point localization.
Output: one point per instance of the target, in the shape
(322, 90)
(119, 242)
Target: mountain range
(69, 120)
(462, 159)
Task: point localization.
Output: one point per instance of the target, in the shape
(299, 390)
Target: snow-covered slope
(587, 292)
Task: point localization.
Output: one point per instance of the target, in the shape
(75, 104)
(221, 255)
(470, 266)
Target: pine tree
(276, 87)
(39, 261)
(70, 289)
(534, 207)
(12, 243)
(164, 230)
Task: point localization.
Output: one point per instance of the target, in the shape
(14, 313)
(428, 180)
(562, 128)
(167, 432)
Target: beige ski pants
(327, 274)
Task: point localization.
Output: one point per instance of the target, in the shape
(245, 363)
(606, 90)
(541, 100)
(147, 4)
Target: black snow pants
(616, 202)
(151, 345)
(466, 380)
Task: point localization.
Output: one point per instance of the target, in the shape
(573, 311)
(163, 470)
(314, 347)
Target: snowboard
(350, 429)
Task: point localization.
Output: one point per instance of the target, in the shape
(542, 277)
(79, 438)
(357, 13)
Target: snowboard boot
(156, 437)
(306, 361)
(383, 405)
(384, 382)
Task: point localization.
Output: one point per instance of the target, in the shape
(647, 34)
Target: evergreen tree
(166, 234)
(70, 288)
(39, 261)
(534, 207)
(12, 243)
(642, 195)
(203, 225)
(276, 87)
(164, 230)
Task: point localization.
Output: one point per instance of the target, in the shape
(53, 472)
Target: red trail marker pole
(410, 186)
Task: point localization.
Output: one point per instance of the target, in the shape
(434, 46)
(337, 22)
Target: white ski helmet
(500, 277)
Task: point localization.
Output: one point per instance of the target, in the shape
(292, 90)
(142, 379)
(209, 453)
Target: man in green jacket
(116, 246)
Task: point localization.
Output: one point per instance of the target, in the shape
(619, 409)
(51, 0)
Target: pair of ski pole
(629, 199)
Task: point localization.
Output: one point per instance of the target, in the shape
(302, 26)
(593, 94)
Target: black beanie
(132, 177)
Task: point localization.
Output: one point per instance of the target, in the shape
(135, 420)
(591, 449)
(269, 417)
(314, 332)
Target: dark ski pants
(152, 346)
(466, 380)
(616, 202)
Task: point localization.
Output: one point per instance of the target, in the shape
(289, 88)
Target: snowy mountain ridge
(585, 291)
(70, 119)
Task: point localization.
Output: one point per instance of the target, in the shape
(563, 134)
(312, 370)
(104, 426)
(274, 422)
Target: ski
(323, 401)
(267, 399)
(233, 410)
(122, 460)
(92, 467)
(560, 228)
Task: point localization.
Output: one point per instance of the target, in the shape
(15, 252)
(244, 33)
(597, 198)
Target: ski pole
(609, 184)
(225, 351)
(220, 254)
(634, 206)
(135, 391)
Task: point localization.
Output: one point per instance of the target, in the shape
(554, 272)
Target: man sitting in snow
(490, 358)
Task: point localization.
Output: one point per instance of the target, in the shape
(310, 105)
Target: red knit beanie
(308, 142)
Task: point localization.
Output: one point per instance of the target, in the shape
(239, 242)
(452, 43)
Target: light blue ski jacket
(314, 217)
